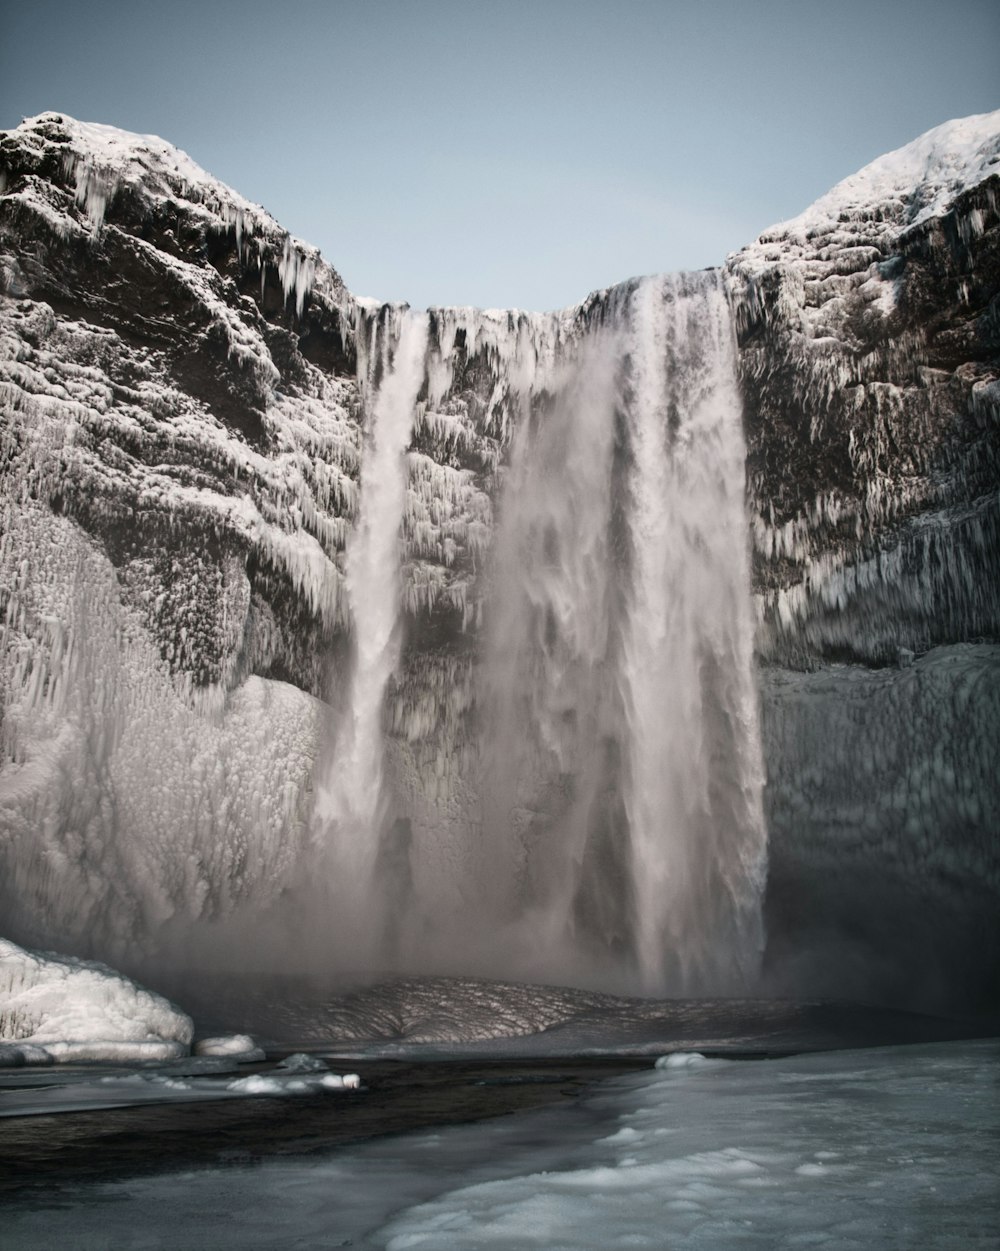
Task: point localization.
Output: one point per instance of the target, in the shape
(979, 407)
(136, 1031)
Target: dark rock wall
(870, 357)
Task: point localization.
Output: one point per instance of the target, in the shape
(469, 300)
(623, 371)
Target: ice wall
(882, 812)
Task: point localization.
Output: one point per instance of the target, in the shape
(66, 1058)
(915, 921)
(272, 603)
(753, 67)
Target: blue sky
(513, 152)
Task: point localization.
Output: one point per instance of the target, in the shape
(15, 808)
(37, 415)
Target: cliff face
(183, 392)
(869, 339)
(869, 330)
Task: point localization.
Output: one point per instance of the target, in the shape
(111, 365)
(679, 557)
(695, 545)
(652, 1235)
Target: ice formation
(720, 1154)
(80, 1010)
(858, 305)
(166, 1084)
(238, 1047)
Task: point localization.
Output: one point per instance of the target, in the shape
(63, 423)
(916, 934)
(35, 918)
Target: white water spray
(694, 775)
(350, 800)
(623, 830)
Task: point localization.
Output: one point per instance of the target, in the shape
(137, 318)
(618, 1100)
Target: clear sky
(511, 152)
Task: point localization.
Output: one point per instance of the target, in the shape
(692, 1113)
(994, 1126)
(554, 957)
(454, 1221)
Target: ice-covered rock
(293, 1083)
(239, 1048)
(13, 1055)
(870, 366)
(871, 377)
(81, 1010)
(681, 1060)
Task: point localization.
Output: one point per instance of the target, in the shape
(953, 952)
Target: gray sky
(511, 152)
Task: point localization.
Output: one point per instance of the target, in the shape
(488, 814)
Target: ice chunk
(681, 1060)
(294, 1083)
(334, 1081)
(238, 1047)
(82, 1010)
(14, 1055)
(301, 1062)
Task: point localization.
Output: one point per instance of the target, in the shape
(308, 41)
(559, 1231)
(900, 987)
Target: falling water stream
(694, 775)
(350, 801)
(578, 800)
(621, 831)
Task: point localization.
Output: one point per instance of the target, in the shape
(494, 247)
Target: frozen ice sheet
(892, 1147)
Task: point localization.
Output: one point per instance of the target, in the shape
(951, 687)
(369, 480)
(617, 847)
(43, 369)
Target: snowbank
(81, 1010)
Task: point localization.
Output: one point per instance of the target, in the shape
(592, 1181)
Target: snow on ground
(80, 1010)
(892, 1147)
(851, 1150)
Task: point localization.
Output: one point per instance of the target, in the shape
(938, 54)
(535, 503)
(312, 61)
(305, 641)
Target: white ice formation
(240, 1048)
(76, 1010)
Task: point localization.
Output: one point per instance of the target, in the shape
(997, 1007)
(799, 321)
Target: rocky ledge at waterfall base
(183, 389)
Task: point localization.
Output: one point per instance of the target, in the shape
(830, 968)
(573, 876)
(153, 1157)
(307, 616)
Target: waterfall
(350, 810)
(622, 794)
(548, 701)
(694, 774)
(558, 778)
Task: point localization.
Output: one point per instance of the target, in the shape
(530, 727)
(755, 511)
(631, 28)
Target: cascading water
(350, 800)
(623, 823)
(549, 703)
(570, 789)
(694, 774)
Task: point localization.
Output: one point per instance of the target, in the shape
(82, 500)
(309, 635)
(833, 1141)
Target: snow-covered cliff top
(101, 160)
(137, 158)
(909, 185)
(894, 192)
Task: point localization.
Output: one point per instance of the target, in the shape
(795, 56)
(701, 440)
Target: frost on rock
(80, 1010)
(871, 382)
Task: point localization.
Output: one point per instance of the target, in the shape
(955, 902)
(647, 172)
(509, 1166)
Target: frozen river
(884, 1147)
